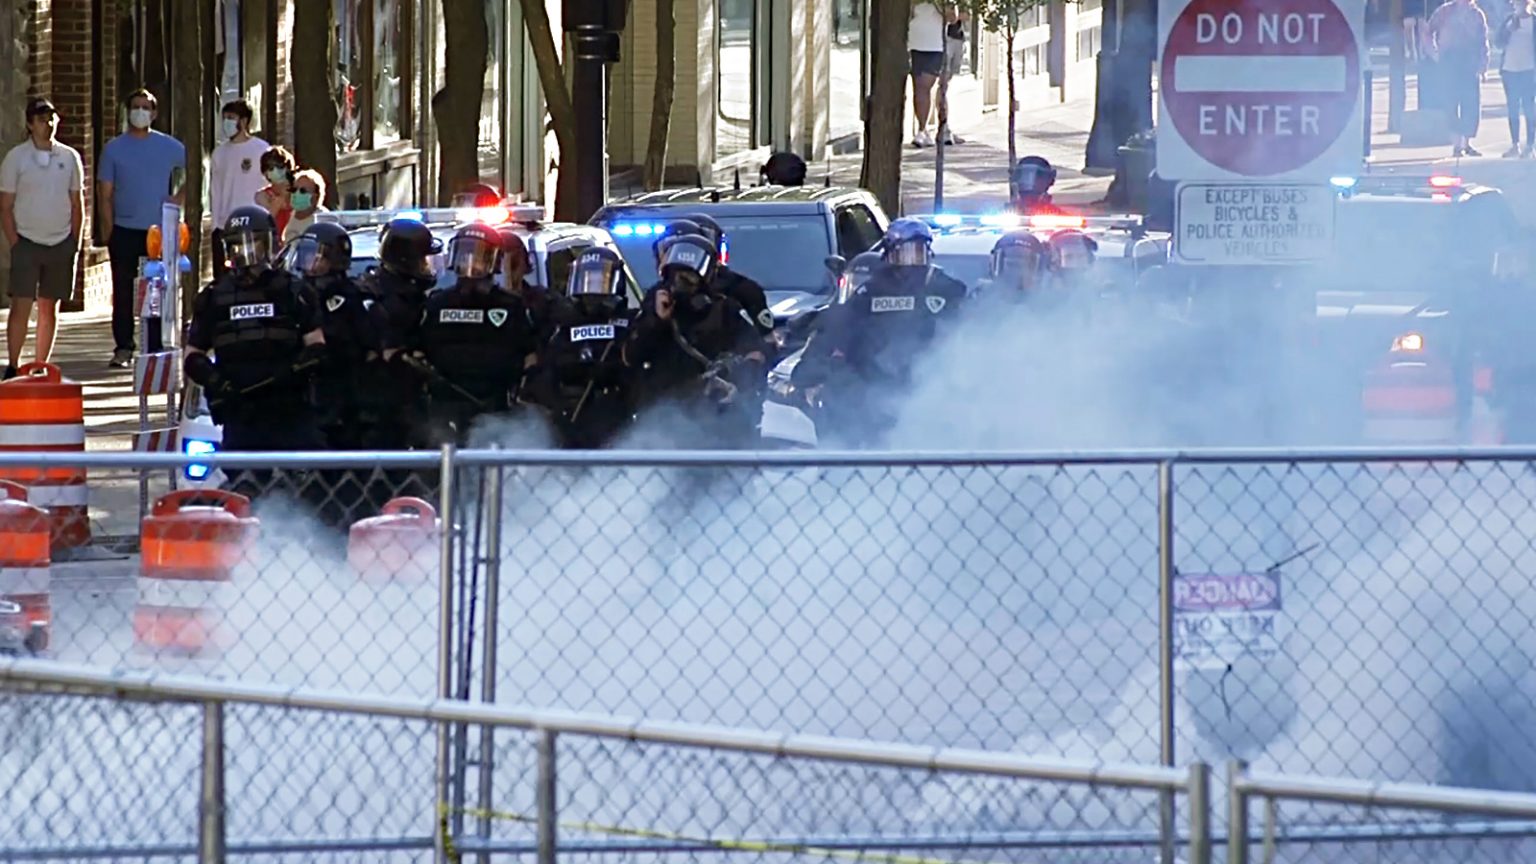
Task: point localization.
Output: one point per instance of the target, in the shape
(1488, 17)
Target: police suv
(779, 236)
(554, 247)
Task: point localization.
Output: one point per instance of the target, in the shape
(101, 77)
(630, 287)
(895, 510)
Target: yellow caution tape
(705, 842)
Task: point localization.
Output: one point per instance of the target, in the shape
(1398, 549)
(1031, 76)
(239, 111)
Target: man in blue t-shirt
(133, 181)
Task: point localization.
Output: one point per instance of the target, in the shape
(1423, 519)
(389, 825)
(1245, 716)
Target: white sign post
(1263, 100)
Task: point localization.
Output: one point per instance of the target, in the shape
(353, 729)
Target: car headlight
(1408, 343)
(196, 447)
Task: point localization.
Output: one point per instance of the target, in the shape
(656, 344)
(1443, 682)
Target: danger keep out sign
(1219, 618)
(1260, 104)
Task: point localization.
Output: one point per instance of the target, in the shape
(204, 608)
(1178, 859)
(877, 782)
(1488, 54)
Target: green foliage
(999, 16)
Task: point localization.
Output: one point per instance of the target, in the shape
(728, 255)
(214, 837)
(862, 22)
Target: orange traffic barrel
(25, 559)
(41, 410)
(1411, 403)
(189, 545)
(400, 543)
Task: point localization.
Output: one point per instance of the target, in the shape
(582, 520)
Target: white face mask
(231, 127)
(140, 118)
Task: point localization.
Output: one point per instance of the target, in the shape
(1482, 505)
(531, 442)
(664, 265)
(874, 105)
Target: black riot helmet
(686, 260)
(474, 252)
(713, 232)
(597, 280)
(1033, 177)
(857, 274)
(785, 169)
(324, 249)
(405, 245)
(908, 243)
(676, 228)
(250, 238)
(1072, 252)
(1019, 259)
(516, 261)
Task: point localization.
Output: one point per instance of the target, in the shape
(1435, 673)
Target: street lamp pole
(594, 26)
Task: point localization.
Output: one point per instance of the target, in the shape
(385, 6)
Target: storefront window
(349, 74)
(226, 48)
(490, 104)
(734, 68)
(388, 74)
(848, 27)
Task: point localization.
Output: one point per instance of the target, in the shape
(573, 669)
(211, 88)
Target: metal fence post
(210, 806)
(1200, 813)
(444, 651)
(493, 504)
(545, 797)
(1237, 815)
(1165, 570)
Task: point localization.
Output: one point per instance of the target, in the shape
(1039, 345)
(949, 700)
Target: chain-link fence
(1349, 614)
(128, 781)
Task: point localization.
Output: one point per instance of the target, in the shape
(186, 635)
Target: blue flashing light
(1000, 220)
(947, 220)
(1343, 182)
(623, 230)
(197, 447)
(413, 215)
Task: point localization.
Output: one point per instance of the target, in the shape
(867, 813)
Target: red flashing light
(1056, 220)
(1441, 181)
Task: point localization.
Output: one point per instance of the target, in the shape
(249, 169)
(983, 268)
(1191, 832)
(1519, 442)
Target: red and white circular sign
(1262, 87)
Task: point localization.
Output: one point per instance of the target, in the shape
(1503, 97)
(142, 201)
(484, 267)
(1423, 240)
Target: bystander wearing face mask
(140, 118)
(231, 128)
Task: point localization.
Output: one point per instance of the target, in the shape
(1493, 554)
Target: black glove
(202, 371)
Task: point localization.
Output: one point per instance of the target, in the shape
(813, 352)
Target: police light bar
(1399, 184)
(1038, 221)
(526, 214)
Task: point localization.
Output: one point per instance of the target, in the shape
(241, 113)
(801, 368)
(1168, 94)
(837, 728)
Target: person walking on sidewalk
(235, 170)
(41, 211)
(1517, 71)
(927, 46)
(135, 181)
(1459, 35)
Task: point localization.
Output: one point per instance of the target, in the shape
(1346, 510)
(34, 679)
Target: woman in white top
(308, 192)
(1517, 69)
(925, 45)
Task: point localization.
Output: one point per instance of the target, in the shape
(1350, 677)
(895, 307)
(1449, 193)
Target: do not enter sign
(1260, 89)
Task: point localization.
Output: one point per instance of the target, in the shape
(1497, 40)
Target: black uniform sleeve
(200, 330)
(834, 328)
(647, 333)
(306, 307)
(752, 298)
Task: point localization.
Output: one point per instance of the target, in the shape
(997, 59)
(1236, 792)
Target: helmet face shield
(1072, 254)
(595, 279)
(249, 248)
(685, 258)
(472, 257)
(1018, 266)
(309, 258)
(910, 253)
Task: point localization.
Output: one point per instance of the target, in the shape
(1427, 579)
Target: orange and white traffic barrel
(401, 543)
(25, 559)
(189, 544)
(42, 411)
(1410, 403)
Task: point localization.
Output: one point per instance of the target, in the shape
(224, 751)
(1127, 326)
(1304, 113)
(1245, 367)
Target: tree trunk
(1009, 34)
(456, 107)
(189, 121)
(881, 171)
(557, 99)
(661, 100)
(312, 64)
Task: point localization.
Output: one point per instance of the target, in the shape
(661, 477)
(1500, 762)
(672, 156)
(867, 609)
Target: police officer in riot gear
(476, 338)
(1032, 179)
(697, 346)
(1071, 258)
(321, 257)
(867, 347)
(743, 289)
(254, 337)
(1017, 269)
(517, 265)
(857, 274)
(580, 376)
(391, 403)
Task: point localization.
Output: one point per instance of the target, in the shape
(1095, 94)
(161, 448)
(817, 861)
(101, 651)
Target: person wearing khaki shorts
(41, 213)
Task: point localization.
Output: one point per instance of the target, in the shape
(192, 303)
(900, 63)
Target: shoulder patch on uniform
(368, 305)
(497, 317)
(892, 304)
(252, 310)
(935, 304)
(461, 316)
(745, 317)
(765, 319)
(334, 302)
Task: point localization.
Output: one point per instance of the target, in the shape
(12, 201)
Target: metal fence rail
(963, 777)
(1407, 839)
(1360, 613)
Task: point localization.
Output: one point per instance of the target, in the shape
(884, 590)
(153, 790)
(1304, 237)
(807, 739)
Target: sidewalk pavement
(1492, 137)
(81, 351)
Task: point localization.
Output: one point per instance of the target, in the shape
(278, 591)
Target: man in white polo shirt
(41, 211)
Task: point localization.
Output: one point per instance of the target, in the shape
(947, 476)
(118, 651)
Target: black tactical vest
(255, 327)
